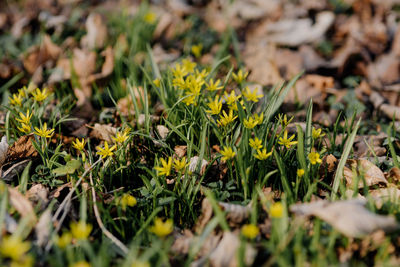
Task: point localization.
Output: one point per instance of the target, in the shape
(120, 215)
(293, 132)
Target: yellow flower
(25, 118)
(196, 50)
(231, 98)
(201, 74)
(150, 17)
(25, 261)
(16, 100)
(140, 264)
(226, 119)
(157, 82)
(21, 91)
(40, 95)
(240, 76)
(120, 138)
(276, 210)
(317, 133)
(13, 247)
(25, 128)
(285, 141)
(189, 99)
(188, 65)
(250, 231)
(227, 153)
(64, 240)
(161, 228)
(166, 167)
(214, 86)
(179, 71)
(255, 143)
(127, 200)
(78, 145)
(106, 151)
(80, 230)
(259, 118)
(179, 82)
(234, 106)
(284, 121)
(262, 154)
(300, 172)
(80, 264)
(215, 106)
(250, 123)
(180, 165)
(252, 95)
(43, 132)
(314, 157)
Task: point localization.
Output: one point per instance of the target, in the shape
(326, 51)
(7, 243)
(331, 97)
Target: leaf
(42, 228)
(3, 150)
(22, 149)
(363, 169)
(22, 205)
(349, 217)
(69, 168)
(96, 32)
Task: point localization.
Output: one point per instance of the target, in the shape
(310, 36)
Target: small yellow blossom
(250, 123)
(214, 86)
(314, 157)
(259, 118)
(284, 121)
(231, 98)
(188, 65)
(43, 132)
(189, 99)
(140, 264)
(150, 17)
(317, 133)
(25, 261)
(227, 153)
(300, 172)
(13, 247)
(201, 74)
(80, 230)
(161, 228)
(285, 141)
(78, 145)
(255, 143)
(234, 106)
(106, 151)
(16, 100)
(179, 82)
(250, 231)
(215, 106)
(180, 165)
(127, 200)
(39, 96)
(166, 167)
(179, 71)
(25, 128)
(80, 264)
(252, 95)
(226, 119)
(25, 118)
(196, 50)
(276, 210)
(120, 138)
(262, 154)
(64, 240)
(240, 76)
(157, 82)
(21, 91)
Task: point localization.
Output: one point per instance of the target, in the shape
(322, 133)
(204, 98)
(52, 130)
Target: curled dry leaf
(363, 169)
(194, 161)
(3, 150)
(205, 217)
(38, 194)
(236, 213)
(180, 151)
(103, 132)
(42, 228)
(349, 217)
(183, 243)
(22, 149)
(162, 131)
(394, 175)
(22, 205)
(96, 32)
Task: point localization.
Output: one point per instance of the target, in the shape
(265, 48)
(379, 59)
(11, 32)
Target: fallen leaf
(22, 149)
(43, 227)
(235, 213)
(103, 132)
(38, 194)
(3, 150)
(194, 161)
(349, 217)
(96, 32)
(364, 169)
(162, 131)
(22, 205)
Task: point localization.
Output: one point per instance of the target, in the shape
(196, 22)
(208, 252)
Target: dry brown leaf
(363, 168)
(108, 65)
(96, 32)
(205, 217)
(394, 175)
(225, 254)
(22, 149)
(22, 205)
(349, 217)
(194, 162)
(180, 151)
(103, 132)
(38, 194)
(3, 150)
(235, 213)
(43, 227)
